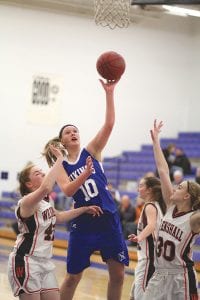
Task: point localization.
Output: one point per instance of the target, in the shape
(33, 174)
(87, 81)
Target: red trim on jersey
(20, 242)
(184, 264)
(176, 214)
(146, 269)
(14, 276)
(28, 273)
(185, 284)
(184, 246)
(148, 258)
(36, 233)
(47, 290)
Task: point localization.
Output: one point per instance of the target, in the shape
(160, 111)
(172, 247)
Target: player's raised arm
(100, 140)
(68, 187)
(38, 185)
(161, 164)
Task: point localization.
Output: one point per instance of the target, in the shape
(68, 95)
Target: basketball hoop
(112, 13)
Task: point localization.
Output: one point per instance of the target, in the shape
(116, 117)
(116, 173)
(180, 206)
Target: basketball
(110, 65)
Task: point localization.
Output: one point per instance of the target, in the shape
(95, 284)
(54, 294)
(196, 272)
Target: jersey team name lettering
(77, 172)
(48, 213)
(172, 230)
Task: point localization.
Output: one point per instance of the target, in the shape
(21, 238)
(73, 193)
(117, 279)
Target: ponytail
(155, 185)
(50, 158)
(194, 192)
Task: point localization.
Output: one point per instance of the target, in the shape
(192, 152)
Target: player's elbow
(59, 218)
(110, 124)
(151, 228)
(68, 191)
(163, 171)
(109, 128)
(69, 194)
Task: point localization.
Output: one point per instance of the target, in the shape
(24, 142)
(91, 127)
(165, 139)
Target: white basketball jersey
(175, 240)
(147, 246)
(36, 232)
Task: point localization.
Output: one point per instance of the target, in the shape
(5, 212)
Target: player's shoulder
(150, 206)
(84, 151)
(195, 221)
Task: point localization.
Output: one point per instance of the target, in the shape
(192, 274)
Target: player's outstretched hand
(156, 130)
(133, 238)
(109, 85)
(56, 151)
(89, 165)
(94, 210)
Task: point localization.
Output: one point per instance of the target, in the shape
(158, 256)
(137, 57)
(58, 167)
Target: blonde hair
(50, 158)
(24, 178)
(194, 191)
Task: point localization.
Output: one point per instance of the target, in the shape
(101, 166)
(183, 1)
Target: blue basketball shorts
(111, 244)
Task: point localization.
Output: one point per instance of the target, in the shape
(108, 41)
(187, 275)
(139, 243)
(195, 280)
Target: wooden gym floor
(92, 286)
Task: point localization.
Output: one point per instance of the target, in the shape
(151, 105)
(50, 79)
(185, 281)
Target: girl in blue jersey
(90, 234)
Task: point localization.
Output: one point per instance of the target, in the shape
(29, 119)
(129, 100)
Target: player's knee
(73, 279)
(117, 278)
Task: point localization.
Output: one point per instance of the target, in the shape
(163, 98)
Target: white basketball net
(112, 13)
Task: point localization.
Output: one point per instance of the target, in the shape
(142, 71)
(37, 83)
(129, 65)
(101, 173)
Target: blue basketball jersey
(94, 191)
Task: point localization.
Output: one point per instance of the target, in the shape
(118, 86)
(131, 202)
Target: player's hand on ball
(109, 85)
